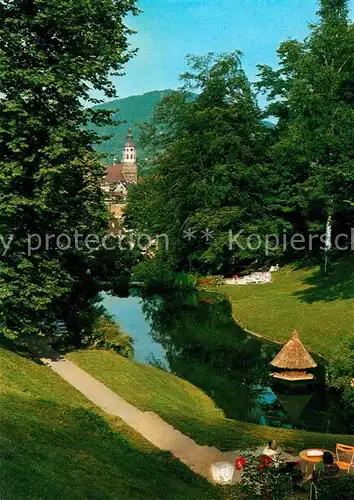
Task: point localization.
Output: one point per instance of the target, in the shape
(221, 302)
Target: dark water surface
(195, 337)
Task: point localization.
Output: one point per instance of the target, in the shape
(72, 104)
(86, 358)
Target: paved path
(148, 424)
(165, 437)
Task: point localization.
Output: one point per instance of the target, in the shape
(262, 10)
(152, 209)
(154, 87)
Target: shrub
(206, 282)
(262, 479)
(341, 371)
(336, 489)
(157, 274)
(106, 334)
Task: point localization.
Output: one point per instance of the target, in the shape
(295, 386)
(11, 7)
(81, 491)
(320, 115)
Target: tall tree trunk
(328, 241)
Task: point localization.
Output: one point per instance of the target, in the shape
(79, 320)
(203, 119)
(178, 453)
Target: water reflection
(195, 337)
(128, 312)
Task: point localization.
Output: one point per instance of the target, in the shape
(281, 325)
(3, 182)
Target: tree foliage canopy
(209, 163)
(52, 55)
(312, 96)
(217, 167)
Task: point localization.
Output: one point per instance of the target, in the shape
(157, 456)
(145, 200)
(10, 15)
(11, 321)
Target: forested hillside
(131, 110)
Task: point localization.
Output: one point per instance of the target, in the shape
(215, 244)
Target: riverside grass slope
(187, 408)
(319, 307)
(55, 445)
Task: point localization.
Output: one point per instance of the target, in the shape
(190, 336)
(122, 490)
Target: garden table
(311, 459)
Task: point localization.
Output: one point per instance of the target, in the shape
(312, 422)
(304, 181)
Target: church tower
(130, 169)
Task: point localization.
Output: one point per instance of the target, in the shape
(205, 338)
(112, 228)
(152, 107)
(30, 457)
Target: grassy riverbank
(54, 445)
(320, 307)
(186, 407)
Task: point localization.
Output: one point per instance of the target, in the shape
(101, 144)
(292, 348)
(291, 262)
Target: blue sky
(169, 29)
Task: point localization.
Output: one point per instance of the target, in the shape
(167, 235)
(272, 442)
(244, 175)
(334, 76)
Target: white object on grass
(223, 472)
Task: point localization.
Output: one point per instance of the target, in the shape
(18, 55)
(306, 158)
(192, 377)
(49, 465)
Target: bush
(337, 489)
(263, 480)
(341, 371)
(158, 275)
(106, 334)
(209, 282)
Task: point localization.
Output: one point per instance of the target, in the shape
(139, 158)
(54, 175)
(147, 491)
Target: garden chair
(257, 278)
(313, 491)
(347, 461)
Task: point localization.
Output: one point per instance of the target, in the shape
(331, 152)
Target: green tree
(208, 173)
(312, 95)
(53, 54)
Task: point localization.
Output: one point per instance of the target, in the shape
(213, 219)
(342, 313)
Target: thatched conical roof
(294, 356)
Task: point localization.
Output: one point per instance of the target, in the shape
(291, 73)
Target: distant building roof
(114, 173)
(126, 171)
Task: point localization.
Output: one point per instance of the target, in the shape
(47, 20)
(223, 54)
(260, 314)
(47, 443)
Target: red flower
(240, 463)
(260, 467)
(265, 460)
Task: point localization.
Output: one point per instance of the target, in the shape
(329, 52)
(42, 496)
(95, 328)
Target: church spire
(129, 152)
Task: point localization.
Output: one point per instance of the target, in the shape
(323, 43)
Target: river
(195, 337)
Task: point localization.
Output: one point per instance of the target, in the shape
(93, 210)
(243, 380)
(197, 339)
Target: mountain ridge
(132, 111)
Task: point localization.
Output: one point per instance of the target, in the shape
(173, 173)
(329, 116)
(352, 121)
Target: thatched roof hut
(293, 361)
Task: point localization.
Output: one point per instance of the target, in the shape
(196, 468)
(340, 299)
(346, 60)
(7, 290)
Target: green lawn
(320, 308)
(54, 445)
(188, 408)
